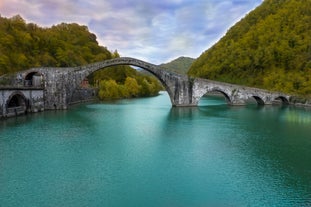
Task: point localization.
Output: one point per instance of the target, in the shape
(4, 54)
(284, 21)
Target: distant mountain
(270, 48)
(180, 65)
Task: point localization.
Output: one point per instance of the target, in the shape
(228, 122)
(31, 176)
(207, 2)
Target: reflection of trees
(297, 116)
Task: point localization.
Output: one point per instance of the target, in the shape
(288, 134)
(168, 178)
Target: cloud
(155, 31)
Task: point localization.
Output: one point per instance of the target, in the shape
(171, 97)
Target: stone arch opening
(214, 97)
(134, 82)
(281, 100)
(255, 100)
(33, 79)
(161, 75)
(163, 83)
(16, 104)
(227, 98)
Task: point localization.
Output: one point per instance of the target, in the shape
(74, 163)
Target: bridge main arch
(176, 85)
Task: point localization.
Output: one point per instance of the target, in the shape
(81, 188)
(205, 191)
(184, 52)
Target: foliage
(134, 85)
(270, 48)
(23, 46)
(180, 65)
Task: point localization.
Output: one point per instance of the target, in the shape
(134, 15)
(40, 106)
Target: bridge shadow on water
(215, 106)
(207, 107)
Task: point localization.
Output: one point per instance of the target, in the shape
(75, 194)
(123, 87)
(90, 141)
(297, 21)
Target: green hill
(25, 45)
(180, 65)
(270, 48)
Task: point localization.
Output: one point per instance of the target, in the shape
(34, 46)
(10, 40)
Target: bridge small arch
(227, 97)
(258, 100)
(16, 104)
(216, 94)
(281, 100)
(33, 79)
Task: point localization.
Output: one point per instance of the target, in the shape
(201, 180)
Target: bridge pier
(180, 92)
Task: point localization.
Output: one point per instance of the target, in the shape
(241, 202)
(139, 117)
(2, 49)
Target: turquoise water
(142, 152)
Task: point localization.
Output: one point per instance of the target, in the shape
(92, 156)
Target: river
(143, 152)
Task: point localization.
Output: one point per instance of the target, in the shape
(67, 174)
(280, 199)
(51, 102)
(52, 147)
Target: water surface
(143, 152)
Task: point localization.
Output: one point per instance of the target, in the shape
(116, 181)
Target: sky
(156, 31)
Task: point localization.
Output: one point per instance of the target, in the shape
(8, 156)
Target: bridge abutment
(17, 101)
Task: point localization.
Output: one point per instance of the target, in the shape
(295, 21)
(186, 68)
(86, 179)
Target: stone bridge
(60, 84)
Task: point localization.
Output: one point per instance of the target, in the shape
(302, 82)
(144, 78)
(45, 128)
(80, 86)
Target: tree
(108, 89)
(132, 87)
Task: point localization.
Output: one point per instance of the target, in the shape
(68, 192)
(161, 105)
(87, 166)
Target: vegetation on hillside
(270, 48)
(180, 65)
(26, 45)
(23, 45)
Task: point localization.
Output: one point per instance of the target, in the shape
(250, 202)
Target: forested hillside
(180, 65)
(23, 45)
(26, 45)
(270, 48)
